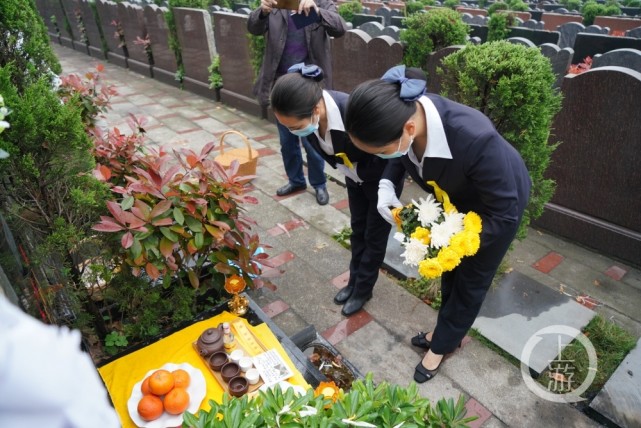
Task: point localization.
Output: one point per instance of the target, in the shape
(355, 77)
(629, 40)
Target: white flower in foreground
(357, 423)
(442, 232)
(415, 252)
(309, 411)
(399, 236)
(429, 210)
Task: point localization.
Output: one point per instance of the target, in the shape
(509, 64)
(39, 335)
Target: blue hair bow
(411, 89)
(310, 71)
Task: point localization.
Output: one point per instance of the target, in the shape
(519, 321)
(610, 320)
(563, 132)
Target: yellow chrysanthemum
(430, 268)
(329, 390)
(448, 259)
(396, 214)
(459, 244)
(472, 222)
(422, 234)
(473, 242)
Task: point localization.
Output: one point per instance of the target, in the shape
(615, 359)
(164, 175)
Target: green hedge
(513, 86)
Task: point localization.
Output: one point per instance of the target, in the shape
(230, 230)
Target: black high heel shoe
(422, 375)
(420, 341)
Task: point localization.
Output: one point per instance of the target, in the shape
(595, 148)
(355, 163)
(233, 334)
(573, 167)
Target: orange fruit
(176, 401)
(150, 407)
(181, 378)
(144, 387)
(161, 382)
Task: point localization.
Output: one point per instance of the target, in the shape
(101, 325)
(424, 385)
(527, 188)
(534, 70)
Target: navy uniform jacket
(486, 174)
(368, 167)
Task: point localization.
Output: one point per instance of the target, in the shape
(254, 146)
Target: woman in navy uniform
(300, 104)
(433, 138)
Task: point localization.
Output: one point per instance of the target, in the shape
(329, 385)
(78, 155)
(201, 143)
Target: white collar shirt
(437, 146)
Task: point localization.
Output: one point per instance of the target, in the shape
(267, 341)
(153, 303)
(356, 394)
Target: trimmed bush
(513, 86)
(591, 9)
(428, 32)
(347, 10)
(24, 43)
(412, 7)
(497, 26)
(494, 7)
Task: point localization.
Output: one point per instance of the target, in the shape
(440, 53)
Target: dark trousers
(464, 288)
(369, 236)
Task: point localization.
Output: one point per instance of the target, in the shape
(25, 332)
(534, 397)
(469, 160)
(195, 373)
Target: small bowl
(229, 370)
(217, 360)
(236, 355)
(245, 364)
(238, 386)
(252, 376)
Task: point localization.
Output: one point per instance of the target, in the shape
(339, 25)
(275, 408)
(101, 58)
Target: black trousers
(369, 236)
(464, 288)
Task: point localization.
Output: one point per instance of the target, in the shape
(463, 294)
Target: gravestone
(386, 13)
(46, 12)
(596, 168)
(196, 38)
(165, 66)
(132, 20)
(568, 32)
(236, 6)
(595, 29)
(472, 11)
(635, 33)
(538, 37)
(518, 21)
(531, 24)
(434, 62)
(521, 41)
(92, 30)
(560, 60)
(537, 15)
(630, 11)
(479, 31)
(629, 58)
(110, 23)
(72, 11)
(393, 262)
(374, 29)
(620, 399)
(360, 18)
(56, 10)
(357, 57)
(561, 10)
(479, 20)
(591, 44)
(232, 44)
(392, 31)
(616, 23)
(398, 21)
(553, 20)
(467, 18)
(244, 11)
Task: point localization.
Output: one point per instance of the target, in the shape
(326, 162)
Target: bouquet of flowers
(435, 235)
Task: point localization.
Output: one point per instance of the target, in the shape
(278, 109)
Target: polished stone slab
(620, 399)
(518, 307)
(394, 262)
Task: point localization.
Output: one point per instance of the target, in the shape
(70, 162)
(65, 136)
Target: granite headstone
(392, 31)
(132, 20)
(629, 58)
(110, 23)
(165, 66)
(560, 60)
(374, 29)
(72, 12)
(360, 18)
(58, 13)
(386, 13)
(591, 44)
(568, 32)
(635, 33)
(92, 30)
(434, 62)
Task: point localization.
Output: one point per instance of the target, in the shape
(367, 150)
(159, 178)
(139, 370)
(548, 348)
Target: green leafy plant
(513, 86)
(365, 405)
(412, 7)
(256, 52)
(215, 78)
(497, 6)
(349, 9)
(428, 290)
(115, 342)
(428, 32)
(498, 26)
(343, 236)
(591, 9)
(451, 4)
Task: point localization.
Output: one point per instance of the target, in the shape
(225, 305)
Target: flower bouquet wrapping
(435, 235)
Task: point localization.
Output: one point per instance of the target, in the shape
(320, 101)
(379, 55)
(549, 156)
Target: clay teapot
(210, 341)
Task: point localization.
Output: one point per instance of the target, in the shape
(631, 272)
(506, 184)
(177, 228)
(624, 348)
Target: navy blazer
(369, 167)
(486, 173)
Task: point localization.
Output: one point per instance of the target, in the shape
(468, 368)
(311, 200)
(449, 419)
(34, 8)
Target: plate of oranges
(159, 399)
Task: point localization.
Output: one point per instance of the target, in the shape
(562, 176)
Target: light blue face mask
(397, 153)
(308, 130)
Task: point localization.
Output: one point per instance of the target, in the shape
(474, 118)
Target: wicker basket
(247, 158)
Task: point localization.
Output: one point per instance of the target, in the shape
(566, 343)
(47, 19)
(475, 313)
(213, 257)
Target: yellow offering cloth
(121, 375)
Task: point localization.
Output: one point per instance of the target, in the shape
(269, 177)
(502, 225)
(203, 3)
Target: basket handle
(245, 140)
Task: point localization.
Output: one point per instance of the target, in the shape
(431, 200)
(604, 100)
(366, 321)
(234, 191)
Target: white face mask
(397, 153)
(308, 130)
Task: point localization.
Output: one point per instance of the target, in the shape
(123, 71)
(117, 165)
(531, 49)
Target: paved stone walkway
(309, 266)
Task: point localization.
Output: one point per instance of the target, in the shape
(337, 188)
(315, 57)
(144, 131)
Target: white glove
(387, 199)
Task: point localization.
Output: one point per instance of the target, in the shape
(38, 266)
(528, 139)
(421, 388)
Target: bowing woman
(300, 104)
(456, 146)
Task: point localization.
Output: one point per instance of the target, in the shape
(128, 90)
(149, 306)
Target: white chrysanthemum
(428, 209)
(415, 252)
(399, 236)
(442, 232)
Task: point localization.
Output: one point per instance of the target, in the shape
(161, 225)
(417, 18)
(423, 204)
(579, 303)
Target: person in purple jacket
(435, 139)
(286, 45)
